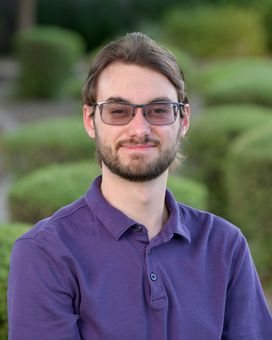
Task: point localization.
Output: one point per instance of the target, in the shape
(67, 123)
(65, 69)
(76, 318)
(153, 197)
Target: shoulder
(62, 225)
(211, 230)
(204, 219)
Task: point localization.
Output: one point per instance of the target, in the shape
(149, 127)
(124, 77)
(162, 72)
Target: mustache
(137, 141)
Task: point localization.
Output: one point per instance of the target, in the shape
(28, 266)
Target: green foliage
(8, 234)
(50, 141)
(237, 81)
(260, 247)
(98, 20)
(268, 24)
(103, 24)
(189, 191)
(42, 192)
(212, 32)
(249, 179)
(186, 64)
(47, 56)
(210, 136)
(248, 182)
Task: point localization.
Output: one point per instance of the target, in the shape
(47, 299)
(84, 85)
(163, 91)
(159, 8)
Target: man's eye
(159, 109)
(118, 111)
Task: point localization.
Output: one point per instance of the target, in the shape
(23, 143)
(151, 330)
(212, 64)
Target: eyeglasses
(156, 113)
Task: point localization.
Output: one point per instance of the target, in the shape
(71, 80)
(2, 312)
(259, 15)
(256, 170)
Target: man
(126, 261)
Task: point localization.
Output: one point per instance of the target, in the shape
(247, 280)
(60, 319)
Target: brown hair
(134, 48)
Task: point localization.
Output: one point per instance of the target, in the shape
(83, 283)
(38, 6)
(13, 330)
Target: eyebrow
(154, 100)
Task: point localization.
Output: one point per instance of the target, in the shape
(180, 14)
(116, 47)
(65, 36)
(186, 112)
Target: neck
(143, 202)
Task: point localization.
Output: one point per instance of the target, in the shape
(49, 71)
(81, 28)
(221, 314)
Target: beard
(138, 168)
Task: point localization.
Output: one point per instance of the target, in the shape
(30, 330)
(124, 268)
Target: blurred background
(46, 159)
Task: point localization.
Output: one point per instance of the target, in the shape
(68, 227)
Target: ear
(185, 122)
(88, 120)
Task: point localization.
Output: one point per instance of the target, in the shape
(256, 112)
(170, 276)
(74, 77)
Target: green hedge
(42, 192)
(47, 56)
(8, 234)
(237, 81)
(210, 32)
(187, 64)
(249, 179)
(248, 182)
(39, 194)
(189, 191)
(209, 136)
(49, 141)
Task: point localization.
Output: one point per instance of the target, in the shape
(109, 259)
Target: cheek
(107, 137)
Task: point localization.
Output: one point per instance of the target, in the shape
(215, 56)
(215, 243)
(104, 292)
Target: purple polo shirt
(89, 272)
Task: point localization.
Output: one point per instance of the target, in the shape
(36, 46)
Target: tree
(26, 14)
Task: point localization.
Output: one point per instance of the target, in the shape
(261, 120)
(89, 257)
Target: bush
(44, 191)
(8, 234)
(209, 32)
(251, 155)
(47, 56)
(238, 81)
(210, 136)
(267, 23)
(189, 191)
(50, 141)
(187, 65)
(39, 194)
(248, 182)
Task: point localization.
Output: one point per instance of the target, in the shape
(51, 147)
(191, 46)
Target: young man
(126, 261)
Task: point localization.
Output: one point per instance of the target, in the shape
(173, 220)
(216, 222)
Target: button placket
(156, 286)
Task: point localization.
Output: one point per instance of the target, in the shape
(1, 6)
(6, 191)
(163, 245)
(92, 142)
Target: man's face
(137, 151)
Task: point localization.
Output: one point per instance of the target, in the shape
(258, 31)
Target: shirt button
(153, 277)
(138, 228)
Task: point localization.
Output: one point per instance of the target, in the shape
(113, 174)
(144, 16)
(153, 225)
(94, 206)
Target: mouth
(138, 145)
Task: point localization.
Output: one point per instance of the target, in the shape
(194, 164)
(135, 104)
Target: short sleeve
(40, 296)
(247, 316)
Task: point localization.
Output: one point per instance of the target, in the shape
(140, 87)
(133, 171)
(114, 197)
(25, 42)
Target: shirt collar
(117, 223)
(175, 223)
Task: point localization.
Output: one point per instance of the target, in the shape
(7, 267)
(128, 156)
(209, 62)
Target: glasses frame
(179, 106)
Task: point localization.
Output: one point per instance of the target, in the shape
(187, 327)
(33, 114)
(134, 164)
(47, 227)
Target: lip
(137, 146)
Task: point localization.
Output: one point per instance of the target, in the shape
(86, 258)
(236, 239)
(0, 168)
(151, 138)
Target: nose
(139, 126)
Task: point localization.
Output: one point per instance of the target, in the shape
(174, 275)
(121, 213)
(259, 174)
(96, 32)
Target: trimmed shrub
(189, 191)
(44, 191)
(267, 9)
(249, 178)
(237, 81)
(210, 32)
(210, 136)
(47, 56)
(50, 141)
(248, 182)
(187, 65)
(8, 234)
(260, 247)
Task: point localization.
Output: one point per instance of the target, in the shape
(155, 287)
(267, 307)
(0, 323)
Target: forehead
(134, 83)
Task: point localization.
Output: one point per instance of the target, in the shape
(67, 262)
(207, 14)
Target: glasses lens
(160, 113)
(116, 113)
